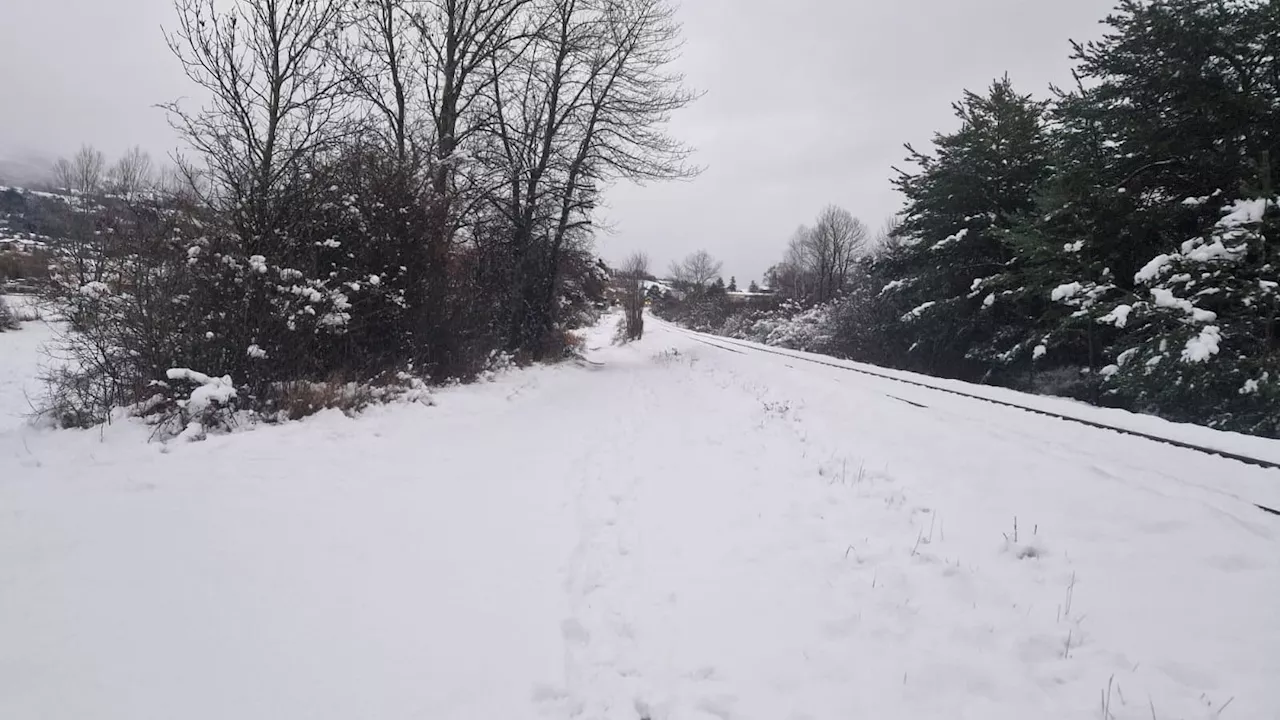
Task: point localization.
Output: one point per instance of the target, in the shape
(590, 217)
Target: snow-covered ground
(21, 361)
(672, 530)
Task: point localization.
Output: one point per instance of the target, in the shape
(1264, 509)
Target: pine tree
(1151, 240)
(733, 284)
(950, 247)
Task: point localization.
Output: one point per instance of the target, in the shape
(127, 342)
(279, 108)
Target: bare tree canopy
(376, 54)
(835, 243)
(275, 96)
(696, 271)
(84, 172)
(819, 259)
(632, 275)
(132, 173)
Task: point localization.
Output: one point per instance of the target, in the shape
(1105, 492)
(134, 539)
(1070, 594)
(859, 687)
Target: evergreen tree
(1151, 240)
(959, 202)
(753, 287)
(733, 284)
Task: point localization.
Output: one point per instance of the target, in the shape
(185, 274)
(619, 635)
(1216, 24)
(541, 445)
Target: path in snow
(678, 532)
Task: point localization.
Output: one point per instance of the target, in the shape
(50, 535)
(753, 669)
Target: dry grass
(299, 399)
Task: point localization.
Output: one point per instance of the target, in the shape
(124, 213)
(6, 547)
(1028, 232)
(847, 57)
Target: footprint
(574, 632)
(1234, 563)
(720, 706)
(706, 672)
(549, 694)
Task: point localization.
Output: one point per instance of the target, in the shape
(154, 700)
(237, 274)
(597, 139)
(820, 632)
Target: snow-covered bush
(331, 290)
(1199, 340)
(790, 325)
(8, 320)
(189, 405)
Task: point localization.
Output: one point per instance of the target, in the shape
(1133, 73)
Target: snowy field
(20, 364)
(672, 530)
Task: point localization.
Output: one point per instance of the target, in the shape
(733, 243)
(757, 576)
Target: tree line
(372, 187)
(1114, 242)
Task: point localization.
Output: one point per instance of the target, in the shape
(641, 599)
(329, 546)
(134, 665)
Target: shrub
(8, 319)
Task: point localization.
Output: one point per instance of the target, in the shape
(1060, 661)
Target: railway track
(737, 346)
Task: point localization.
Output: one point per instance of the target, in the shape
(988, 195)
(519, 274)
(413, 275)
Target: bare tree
(696, 271)
(275, 95)
(581, 103)
(132, 173)
(379, 61)
(820, 259)
(464, 48)
(834, 244)
(794, 276)
(83, 172)
(632, 275)
(887, 239)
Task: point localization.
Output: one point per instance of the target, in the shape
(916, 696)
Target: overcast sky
(808, 102)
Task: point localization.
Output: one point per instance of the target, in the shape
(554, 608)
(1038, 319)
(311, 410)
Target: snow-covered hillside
(671, 530)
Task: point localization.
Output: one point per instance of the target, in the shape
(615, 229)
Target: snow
(1119, 316)
(1039, 351)
(188, 375)
(670, 530)
(94, 289)
(918, 310)
(1203, 346)
(950, 239)
(893, 285)
(21, 364)
(1245, 212)
(1153, 269)
(1165, 298)
(1066, 291)
(211, 390)
(1213, 251)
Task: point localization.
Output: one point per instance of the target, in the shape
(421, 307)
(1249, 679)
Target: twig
(1071, 591)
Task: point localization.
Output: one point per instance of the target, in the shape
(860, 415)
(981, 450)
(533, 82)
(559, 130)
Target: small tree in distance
(8, 321)
(84, 172)
(696, 271)
(733, 284)
(633, 273)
